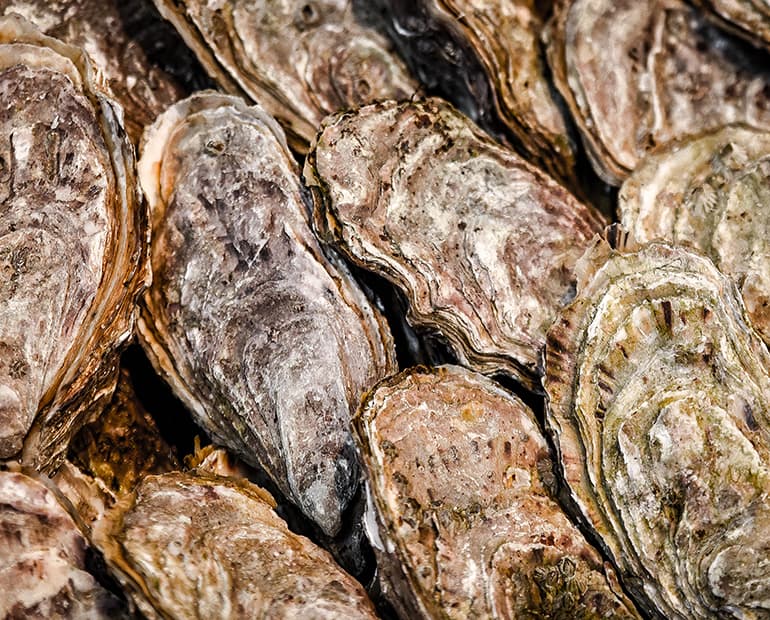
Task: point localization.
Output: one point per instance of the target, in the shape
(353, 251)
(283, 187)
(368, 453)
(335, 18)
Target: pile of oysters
(385, 308)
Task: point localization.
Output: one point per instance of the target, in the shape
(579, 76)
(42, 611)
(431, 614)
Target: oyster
(44, 557)
(198, 546)
(748, 18)
(637, 74)
(658, 403)
(269, 342)
(482, 243)
(711, 192)
(72, 243)
(465, 527)
(300, 60)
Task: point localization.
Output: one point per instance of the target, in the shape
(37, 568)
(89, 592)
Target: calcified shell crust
(463, 523)
(43, 555)
(201, 547)
(299, 60)
(482, 243)
(748, 18)
(485, 57)
(711, 193)
(72, 242)
(641, 73)
(264, 338)
(658, 403)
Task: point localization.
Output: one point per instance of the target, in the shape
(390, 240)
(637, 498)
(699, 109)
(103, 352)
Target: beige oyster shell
(72, 243)
(748, 18)
(463, 520)
(658, 403)
(482, 243)
(202, 547)
(299, 59)
(267, 340)
(640, 73)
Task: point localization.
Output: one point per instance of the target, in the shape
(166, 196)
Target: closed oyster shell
(637, 74)
(482, 243)
(197, 546)
(748, 18)
(267, 341)
(72, 243)
(457, 477)
(658, 403)
(299, 59)
(711, 193)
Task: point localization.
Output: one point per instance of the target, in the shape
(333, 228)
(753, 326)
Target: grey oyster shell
(658, 404)
(201, 547)
(268, 341)
(72, 243)
(299, 59)
(640, 73)
(710, 192)
(465, 526)
(747, 18)
(482, 243)
(43, 555)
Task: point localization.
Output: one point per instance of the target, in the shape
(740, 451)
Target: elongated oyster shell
(748, 18)
(712, 193)
(299, 59)
(72, 242)
(658, 402)
(466, 528)
(482, 243)
(197, 546)
(268, 342)
(44, 557)
(640, 73)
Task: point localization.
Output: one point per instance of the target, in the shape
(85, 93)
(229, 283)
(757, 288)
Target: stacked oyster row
(654, 375)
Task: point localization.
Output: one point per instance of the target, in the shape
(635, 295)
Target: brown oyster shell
(197, 546)
(658, 403)
(712, 193)
(464, 523)
(482, 243)
(299, 59)
(637, 74)
(72, 244)
(267, 340)
(747, 18)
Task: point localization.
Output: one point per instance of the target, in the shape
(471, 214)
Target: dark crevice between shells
(93, 562)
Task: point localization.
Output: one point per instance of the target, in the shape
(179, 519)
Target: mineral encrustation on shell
(710, 192)
(658, 405)
(266, 339)
(72, 243)
(200, 547)
(482, 243)
(463, 523)
(299, 60)
(640, 73)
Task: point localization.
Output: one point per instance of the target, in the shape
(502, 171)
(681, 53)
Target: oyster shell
(195, 546)
(712, 193)
(637, 74)
(465, 526)
(300, 60)
(658, 403)
(72, 243)
(748, 18)
(44, 556)
(267, 341)
(482, 243)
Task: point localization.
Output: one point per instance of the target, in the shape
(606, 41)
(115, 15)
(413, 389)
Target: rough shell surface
(748, 18)
(267, 340)
(482, 243)
(658, 403)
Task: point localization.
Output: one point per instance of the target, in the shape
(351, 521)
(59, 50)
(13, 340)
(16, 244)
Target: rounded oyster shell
(640, 73)
(711, 193)
(464, 524)
(72, 242)
(658, 403)
(299, 59)
(267, 340)
(482, 243)
(197, 546)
